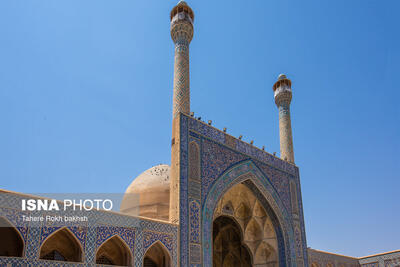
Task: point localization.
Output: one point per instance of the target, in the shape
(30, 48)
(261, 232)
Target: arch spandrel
(247, 172)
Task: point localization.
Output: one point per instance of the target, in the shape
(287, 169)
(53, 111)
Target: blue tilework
(104, 233)
(241, 172)
(150, 237)
(101, 225)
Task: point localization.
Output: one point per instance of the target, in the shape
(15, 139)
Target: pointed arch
(62, 245)
(157, 255)
(12, 243)
(248, 174)
(114, 251)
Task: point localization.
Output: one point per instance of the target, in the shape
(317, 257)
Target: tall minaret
(182, 33)
(283, 96)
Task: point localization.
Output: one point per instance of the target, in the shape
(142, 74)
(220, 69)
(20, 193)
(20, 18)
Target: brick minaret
(181, 33)
(283, 96)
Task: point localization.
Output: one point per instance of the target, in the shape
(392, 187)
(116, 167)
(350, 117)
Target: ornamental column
(182, 18)
(181, 33)
(283, 96)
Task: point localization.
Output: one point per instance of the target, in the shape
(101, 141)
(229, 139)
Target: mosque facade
(221, 201)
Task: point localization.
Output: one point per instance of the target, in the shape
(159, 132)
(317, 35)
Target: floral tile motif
(103, 233)
(150, 237)
(194, 213)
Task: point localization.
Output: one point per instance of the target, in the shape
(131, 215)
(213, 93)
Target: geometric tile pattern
(218, 154)
(389, 259)
(194, 213)
(78, 231)
(103, 233)
(100, 227)
(237, 174)
(150, 237)
(181, 95)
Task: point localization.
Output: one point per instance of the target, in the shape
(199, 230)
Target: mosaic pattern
(322, 259)
(184, 198)
(218, 136)
(240, 173)
(171, 230)
(78, 231)
(390, 259)
(181, 97)
(285, 134)
(100, 227)
(194, 161)
(194, 169)
(182, 34)
(194, 210)
(298, 240)
(392, 262)
(104, 233)
(220, 152)
(280, 182)
(293, 195)
(215, 160)
(150, 237)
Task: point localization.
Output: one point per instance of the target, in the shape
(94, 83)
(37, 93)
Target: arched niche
(194, 161)
(157, 256)
(293, 197)
(114, 252)
(12, 244)
(61, 245)
(279, 228)
(229, 248)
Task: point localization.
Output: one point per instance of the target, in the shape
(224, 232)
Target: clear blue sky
(86, 96)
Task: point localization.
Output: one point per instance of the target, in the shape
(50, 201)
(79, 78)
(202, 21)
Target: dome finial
(282, 76)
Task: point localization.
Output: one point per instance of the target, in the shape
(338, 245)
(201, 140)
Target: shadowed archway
(229, 249)
(62, 245)
(12, 244)
(157, 256)
(249, 175)
(114, 252)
